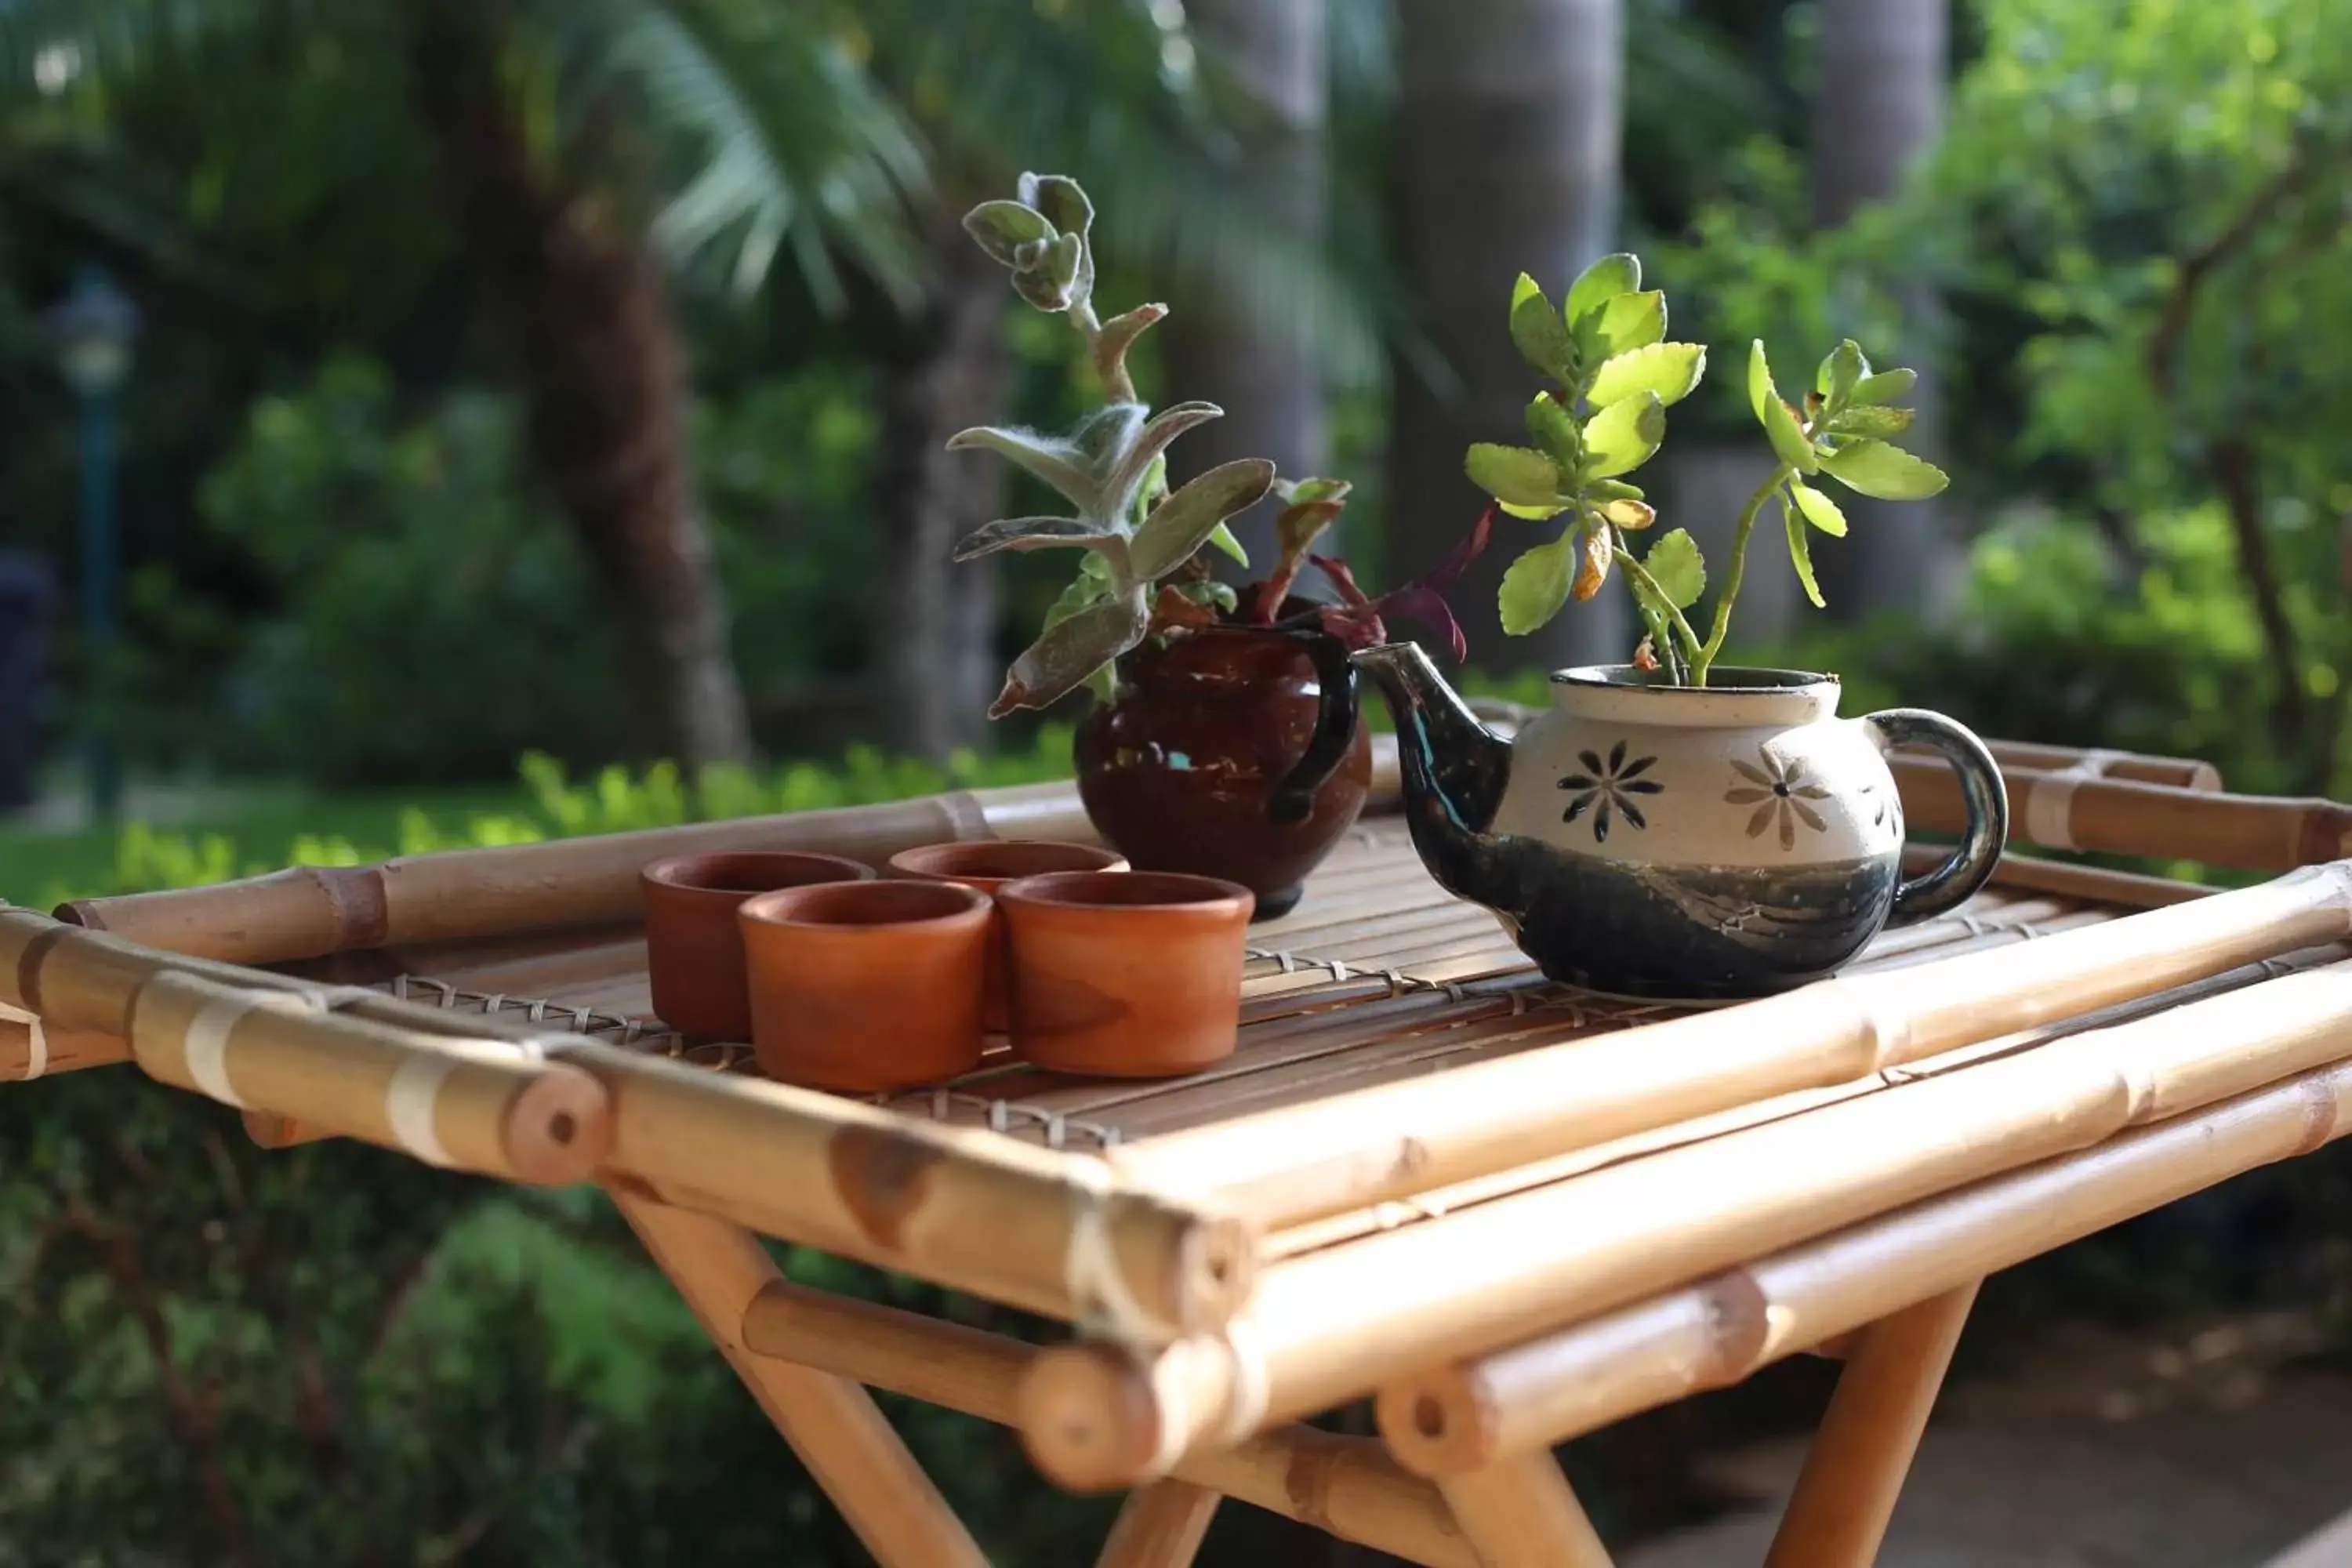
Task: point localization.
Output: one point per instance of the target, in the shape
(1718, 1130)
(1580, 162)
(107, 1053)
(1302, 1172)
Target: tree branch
(2233, 471)
(2198, 267)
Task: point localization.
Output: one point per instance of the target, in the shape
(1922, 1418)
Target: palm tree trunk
(1885, 66)
(1238, 352)
(603, 379)
(1507, 134)
(946, 367)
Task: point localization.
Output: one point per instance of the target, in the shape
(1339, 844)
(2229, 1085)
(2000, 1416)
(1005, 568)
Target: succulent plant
(1616, 376)
(1111, 468)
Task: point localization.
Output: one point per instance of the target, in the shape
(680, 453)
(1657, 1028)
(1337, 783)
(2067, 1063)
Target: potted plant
(1206, 696)
(1673, 827)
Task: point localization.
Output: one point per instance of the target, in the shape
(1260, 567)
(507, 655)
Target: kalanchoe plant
(1111, 468)
(1143, 572)
(1616, 377)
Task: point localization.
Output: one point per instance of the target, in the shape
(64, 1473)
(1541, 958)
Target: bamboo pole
(1854, 1470)
(965, 1207)
(1520, 1513)
(2030, 873)
(1329, 1326)
(312, 912)
(478, 1105)
(1346, 1486)
(830, 1422)
(2123, 816)
(1461, 1415)
(1159, 1526)
(1299, 1162)
(1033, 1227)
(2180, 773)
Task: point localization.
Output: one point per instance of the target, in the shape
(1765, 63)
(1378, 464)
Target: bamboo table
(1510, 1211)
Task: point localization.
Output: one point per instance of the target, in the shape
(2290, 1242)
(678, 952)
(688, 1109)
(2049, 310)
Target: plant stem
(1641, 573)
(1119, 387)
(1722, 628)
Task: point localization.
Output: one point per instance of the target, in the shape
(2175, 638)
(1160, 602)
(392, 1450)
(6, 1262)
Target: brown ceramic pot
(867, 986)
(1177, 771)
(693, 949)
(1134, 975)
(986, 864)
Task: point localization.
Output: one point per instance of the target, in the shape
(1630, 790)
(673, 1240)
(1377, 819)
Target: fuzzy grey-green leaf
(1513, 475)
(1071, 650)
(1182, 523)
(1150, 443)
(1056, 461)
(1001, 229)
(1041, 533)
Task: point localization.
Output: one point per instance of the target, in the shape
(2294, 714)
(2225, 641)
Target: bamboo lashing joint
(478, 1105)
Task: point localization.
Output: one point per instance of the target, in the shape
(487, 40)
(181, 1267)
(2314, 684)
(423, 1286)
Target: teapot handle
(1335, 726)
(1966, 868)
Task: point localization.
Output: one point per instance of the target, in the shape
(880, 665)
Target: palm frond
(791, 144)
(1102, 90)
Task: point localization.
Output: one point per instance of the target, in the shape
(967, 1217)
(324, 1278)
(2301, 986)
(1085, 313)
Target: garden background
(535, 427)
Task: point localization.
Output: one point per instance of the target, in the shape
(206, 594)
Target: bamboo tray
(1513, 1211)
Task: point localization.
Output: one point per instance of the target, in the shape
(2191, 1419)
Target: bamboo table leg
(830, 1422)
(1847, 1493)
(1159, 1527)
(1519, 1512)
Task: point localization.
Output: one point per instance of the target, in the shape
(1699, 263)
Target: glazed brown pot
(1131, 976)
(986, 864)
(867, 986)
(693, 949)
(1178, 770)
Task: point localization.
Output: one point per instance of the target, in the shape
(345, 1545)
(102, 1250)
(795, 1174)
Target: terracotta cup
(867, 986)
(692, 946)
(987, 865)
(1137, 975)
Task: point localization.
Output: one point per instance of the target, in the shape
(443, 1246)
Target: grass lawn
(243, 829)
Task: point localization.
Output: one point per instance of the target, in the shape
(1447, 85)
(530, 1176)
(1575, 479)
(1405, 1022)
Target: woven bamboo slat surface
(1423, 1154)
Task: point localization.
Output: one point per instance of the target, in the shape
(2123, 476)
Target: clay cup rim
(1113, 893)
(989, 862)
(875, 906)
(730, 876)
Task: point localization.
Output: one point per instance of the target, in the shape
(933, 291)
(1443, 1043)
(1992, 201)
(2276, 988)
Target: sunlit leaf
(1598, 284)
(1537, 584)
(1889, 473)
(1622, 436)
(1818, 509)
(1538, 331)
(1670, 370)
(1513, 475)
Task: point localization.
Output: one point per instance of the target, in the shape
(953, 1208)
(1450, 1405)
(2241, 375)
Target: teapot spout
(1455, 767)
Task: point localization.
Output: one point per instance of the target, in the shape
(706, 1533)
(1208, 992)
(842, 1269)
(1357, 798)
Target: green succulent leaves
(1615, 376)
(1844, 435)
(1044, 236)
